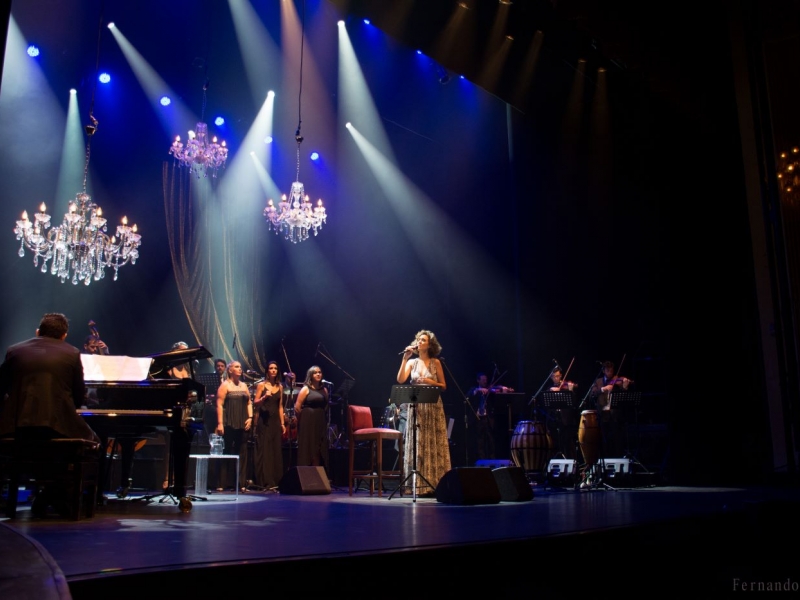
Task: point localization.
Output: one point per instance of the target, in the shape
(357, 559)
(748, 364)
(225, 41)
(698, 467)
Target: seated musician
(41, 386)
(94, 345)
(182, 370)
(607, 384)
(557, 383)
(484, 411)
(602, 387)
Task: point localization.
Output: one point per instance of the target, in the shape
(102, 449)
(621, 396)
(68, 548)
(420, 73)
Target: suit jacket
(41, 385)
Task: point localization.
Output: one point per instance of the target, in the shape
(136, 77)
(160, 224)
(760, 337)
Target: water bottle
(217, 444)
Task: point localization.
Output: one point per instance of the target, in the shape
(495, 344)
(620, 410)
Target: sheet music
(97, 367)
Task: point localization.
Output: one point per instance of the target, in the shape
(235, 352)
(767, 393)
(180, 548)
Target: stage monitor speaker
(513, 485)
(305, 481)
(468, 485)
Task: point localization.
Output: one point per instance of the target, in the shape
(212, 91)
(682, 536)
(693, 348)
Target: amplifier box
(561, 467)
(617, 466)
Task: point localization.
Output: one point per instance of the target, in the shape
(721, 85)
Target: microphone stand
(539, 391)
(467, 409)
(323, 352)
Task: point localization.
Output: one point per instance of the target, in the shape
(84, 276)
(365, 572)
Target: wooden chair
(359, 423)
(68, 464)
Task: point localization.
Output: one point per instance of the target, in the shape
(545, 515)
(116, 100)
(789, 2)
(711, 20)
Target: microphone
(326, 382)
(317, 351)
(412, 347)
(557, 365)
(251, 372)
(599, 362)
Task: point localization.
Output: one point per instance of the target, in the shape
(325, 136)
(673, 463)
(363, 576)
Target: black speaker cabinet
(513, 485)
(468, 485)
(305, 481)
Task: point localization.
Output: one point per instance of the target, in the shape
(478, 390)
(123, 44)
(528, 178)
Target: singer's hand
(409, 351)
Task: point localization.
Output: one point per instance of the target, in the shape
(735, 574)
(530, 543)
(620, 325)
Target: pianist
(41, 385)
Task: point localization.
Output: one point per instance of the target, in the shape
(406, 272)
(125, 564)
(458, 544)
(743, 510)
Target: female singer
(234, 419)
(433, 450)
(270, 427)
(312, 433)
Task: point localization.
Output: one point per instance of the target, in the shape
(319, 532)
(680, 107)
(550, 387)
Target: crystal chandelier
(295, 216)
(79, 248)
(200, 154)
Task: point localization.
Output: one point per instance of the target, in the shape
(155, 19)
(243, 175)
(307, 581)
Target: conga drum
(531, 446)
(589, 436)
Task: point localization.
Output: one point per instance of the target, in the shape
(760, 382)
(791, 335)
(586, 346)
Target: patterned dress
(433, 449)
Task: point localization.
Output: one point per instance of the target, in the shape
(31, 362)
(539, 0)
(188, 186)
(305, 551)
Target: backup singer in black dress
(311, 410)
(234, 419)
(270, 427)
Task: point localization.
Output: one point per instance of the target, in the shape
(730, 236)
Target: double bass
(290, 435)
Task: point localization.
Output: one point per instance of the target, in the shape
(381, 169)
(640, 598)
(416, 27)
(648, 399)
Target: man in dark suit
(41, 385)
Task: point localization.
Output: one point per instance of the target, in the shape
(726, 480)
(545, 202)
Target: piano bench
(67, 464)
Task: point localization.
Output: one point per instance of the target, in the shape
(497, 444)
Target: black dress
(268, 457)
(312, 433)
(234, 414)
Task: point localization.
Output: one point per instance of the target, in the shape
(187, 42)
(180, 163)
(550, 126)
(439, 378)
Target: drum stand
(593, 476)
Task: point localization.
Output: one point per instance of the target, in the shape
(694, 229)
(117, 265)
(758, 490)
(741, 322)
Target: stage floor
(630, 535)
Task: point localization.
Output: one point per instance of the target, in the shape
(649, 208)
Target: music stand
(412, 395)
(558, 400)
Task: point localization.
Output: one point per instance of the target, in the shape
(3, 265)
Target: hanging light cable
(79, 248)
(295, 216)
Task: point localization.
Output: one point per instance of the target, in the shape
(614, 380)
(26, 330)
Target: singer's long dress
(312, 432)
(268, 455)
(433, 449)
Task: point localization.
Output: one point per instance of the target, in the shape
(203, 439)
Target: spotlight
(104, 78)
(111, 25)
(268, 139)
(219, 121)
(165, 101)
(366, 21)
(33, 51)
(314, 156)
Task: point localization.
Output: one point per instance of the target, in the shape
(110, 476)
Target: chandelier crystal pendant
(295, 216)
(79, 248)
(200, 154)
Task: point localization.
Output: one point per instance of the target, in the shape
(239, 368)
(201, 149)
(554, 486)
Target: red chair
(359, 422)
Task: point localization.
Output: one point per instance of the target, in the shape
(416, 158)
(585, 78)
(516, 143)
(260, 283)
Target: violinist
(608, 383)
(557, 383)
(484, 411)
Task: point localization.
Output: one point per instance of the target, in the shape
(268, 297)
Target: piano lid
(179, 356)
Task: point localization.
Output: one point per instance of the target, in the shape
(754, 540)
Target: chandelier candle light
(200, 154)
(79, 248)
(295, 216)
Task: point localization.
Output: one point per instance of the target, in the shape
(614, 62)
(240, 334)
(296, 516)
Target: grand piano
(130, 411)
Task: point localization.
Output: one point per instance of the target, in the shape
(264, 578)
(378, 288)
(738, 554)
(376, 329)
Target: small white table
(201, 471)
